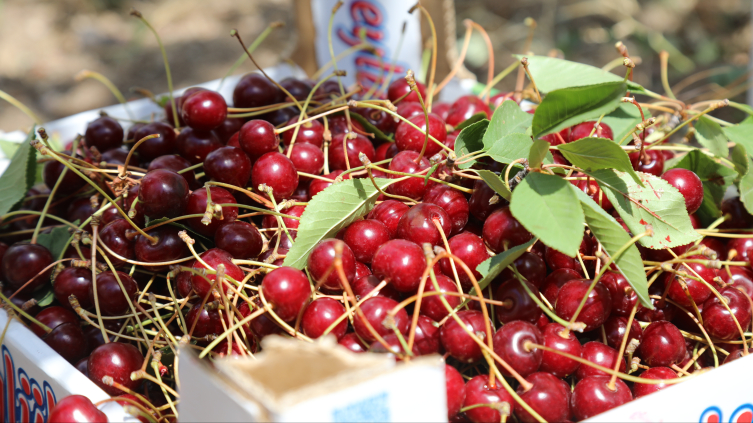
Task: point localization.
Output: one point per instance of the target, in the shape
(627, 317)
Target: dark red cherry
(229, 165)
(114, 300)
(175, 163)
(405, 162)
(385, 151)
(739, 216)
(512, 344)
(502, 231)
(456, 340)
(362, 270)
(740, 278)
(204, 110)
(478, 390)
(384, 121)
(600, 354)
(163, 193)
(155, 147)
(717, 320)
(549, 397)
(556, 364)
(22, 262)
(375, 311)
(255, 90)
(288, 290)
(451, 201)
(518, 304)
(320, 314)
(699, 291)
(655, 373)
(471, 250)
(53, 317)
(593, 190)
(427, 337)
(118, 156)
(240, 239)
(76, 408)
(663, 310)
(297, 88)
(195, 145)
(119, 236)
(652, 162)
(197, 204)
(338, 124)
(355, 144)
(168, 247)
(311, 132)
(409, 138)
(399, 88)
(307, 158)
(465, 107)
(352, 343)
(615, 328)
(366, 284)
(318, 185)
(593, 396)
(432, 306)
(202, 284)
(558, 138)
(67, 340)
(558, 260)
(689, 185)
(258, 137)
(597, 308)
(118, 361)
(409, 109)
(583, 130)
(364, 238)
(623, 295)
(402, 262)
(479, 204)
(71, 182)
(104, 133)
(73, 281)
(229, 127)
(530, 266)
(276, 171)
(662, 345)
(389, 212)
(417, 224)
(321, 261)
(455, 390)
(740, 249)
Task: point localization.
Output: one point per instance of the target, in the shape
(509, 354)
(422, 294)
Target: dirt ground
(44, 44)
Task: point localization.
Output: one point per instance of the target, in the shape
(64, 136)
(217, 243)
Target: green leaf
(570, 106)
(181, 226)
(511, 147)
(469, 141)
(536, 156)
(507, 119)
(739, 158)
(623, 120)
(746, 191)
(9, 147)
(44, 296)
(368, 127)
(478, 117)
(56, 240)
(496, 183)
(613, 237)
(493, 266)
(741, 133)
(657, 204)
(716, 178)
(19, 176)
(710, 135)
(553, 74)
(329, 211)
(598, 153)
(547, 207)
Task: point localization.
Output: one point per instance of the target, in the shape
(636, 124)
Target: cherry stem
(434, 51)
(663, 58)
(259, 39)
(490, 52)
(301, 122)
(500, 76)
(618, 359)
(460, 59)
(52, 195)
(133, 149)
(84, 74)
(577, 326)
(524, 62)
(20, 106)
(333, 59)
(722, 103)
(303, 112)
(412, 83)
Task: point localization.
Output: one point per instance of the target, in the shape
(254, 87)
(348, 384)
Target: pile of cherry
(238, 188)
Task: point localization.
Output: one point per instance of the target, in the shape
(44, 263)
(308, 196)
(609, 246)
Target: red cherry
(432, 306)
(240, 239)
(554, 363)
(742, 247)
(740, 278)
(113, 300)
(409, 138)
(689, 185)
(479, 391)
(76, 408)
(163, 193)
(319, 185)
(549, 397)
(311, 132)
(288, 290)
(405, 162)
(591, 187)
(552, 284)
(600, 354)
(257, 137)
(451, 201)
(22, 262)
(362, 270)
(68, 340)
(502, 231)
(583, 130)
(321, 261)
(73, 281)
(593, 396)
(408, 109)
(399, 88)
(104, 133)
(699, 291)
(530, 266)
(352, 343)
(172, 162)
(471, 250)
(375, 311)
(402, 262)
(277, 172)
(717, 320)
(558, 138)
(168, 247)
(338, 124)
(441, 109)
(195, 145)
(597, 308)
(197, 204)
(518, 303)
(53, 317)
(455, 339)
(364, 238)
(118, 361)
(202, 284)
(229, 165)
(320, 314)
(270, 222)
(558, 260)
(417, 224)
(355, 144)
(394, 347)
(739, 216)
(623, 295)
(653, 162)
(465, 107)
(307, 158)
(615, 328)
(511, 344)
(479, 204)
(427, 337)
(455, 390)
(389, 212)
(255, 90)
(655, 373)
(155, 147)
(204, 322)
(364, 285)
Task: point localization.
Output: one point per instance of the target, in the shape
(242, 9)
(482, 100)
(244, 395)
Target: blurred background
(44, 44)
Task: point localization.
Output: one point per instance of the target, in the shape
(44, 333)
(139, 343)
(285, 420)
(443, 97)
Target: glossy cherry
(67, 340)
(320, 314)
(655, 373)
(740, 249)
(512, 343)
(352, 343)
(689, 185)
(118, 361)
(405, 162)
(451, 201)
(502, 231)
(355, 144)
(258, 137)
(409, 138)
(389, 212)
(583, 130)
(229, 165)
(229, 127)
(308, 133)
(119, 236)
(432, 306)
(288, 290)
(556, 364)
(652, 162)
(600, 354)
(615, 328)
(197, 204)
(366, 284)
(409, 109)
(364, 238)
(593, 396)
(320, 263)
(739, 216)
(699, 291)
(114, 300)
(104, 133)
(455, 390)
(518, 304)
(455, 339)
(399, 88)
(240, 239)
(214, 257)
(76, 408)
(479, 204)
(276, 171)
(195, 145)
(402, 262)
(168, 247)
(73, 281)
(204, 110)
(71, 182)
(307, 158)
(549, 397)
(155, 147)
(255, 90)
(740, 278)
(417, 224)
(375, 311)
(465, 107)
(163, 193)
(22, 262)
(471, 250)
(623, 295)
(718, 322)
(175, 163)
(530, 266)
(53, 317)
(592, 188)
(427, 339)
(557, 260)
(478, 390)
(597, 308)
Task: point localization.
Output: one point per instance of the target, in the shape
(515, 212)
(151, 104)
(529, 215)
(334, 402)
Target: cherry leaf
(510, 148)
(598, 153)
(56, 240)
(553, 74)
(493, 266)
(329, 211)
(470, 141)
(740, 133)
(710, 135)
(656, 205)
(496, 183)
(537, 154)
(478, 117)
(19, 176)
(508, 119)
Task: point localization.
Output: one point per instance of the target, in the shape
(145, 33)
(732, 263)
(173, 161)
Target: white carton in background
(295, 381)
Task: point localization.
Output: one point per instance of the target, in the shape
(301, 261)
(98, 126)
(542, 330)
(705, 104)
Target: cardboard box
(292, 381)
